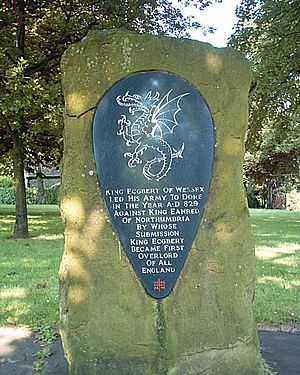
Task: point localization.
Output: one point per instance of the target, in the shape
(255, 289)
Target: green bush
(7, 195)
(252, 198)
(32, 195)
(6, 181)
(51, 195)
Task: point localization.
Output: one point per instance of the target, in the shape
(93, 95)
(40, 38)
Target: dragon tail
(158, 167)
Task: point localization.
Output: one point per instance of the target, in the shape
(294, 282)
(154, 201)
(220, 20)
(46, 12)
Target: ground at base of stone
(18, 347)
(280, 348)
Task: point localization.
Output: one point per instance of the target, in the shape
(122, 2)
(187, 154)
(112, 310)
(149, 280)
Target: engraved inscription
(157, 217)
(154, 146)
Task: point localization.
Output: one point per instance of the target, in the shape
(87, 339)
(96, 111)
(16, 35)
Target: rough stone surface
(109, 325)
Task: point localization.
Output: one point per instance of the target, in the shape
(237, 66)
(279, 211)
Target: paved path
(17, 349)
(280, 349)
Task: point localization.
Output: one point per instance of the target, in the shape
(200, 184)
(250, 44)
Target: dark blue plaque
(154, 143)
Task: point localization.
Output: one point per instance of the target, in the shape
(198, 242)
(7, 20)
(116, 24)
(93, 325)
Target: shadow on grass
(43, 220)
(277, 293)
(277, 238)
(29, 268)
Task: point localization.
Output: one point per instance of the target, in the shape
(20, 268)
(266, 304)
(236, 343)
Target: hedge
(8, 196)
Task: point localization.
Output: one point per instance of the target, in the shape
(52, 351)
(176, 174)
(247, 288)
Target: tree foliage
(33, 35)
(267, 33)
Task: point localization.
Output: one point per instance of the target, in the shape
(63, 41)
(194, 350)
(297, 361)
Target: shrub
(51, 195)
(7, 195)
(252, 198)
(32, 195)
(6, 181)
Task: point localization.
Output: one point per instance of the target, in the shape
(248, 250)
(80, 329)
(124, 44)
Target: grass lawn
(277, 238)
(29, 268)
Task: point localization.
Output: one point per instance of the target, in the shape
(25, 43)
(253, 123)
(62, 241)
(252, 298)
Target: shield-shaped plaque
(154, 144)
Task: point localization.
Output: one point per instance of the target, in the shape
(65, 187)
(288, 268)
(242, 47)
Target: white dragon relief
(156, 118)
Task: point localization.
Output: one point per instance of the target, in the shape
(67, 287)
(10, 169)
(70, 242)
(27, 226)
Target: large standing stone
(109, 324)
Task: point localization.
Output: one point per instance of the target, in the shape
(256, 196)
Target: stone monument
(157, 275)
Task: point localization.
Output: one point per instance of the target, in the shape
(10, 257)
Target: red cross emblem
(159, 285)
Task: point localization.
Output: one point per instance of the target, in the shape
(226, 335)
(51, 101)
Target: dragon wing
(165, 112)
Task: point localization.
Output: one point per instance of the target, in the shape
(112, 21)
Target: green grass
(29, 268)
(277, 237)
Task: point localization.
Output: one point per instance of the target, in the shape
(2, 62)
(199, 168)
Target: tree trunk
(270, 194)
(40, 184)
(21, 224)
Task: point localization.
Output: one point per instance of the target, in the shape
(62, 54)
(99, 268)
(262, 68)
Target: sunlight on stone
(76, 102)
(214, 62)
(233, 146)
(77, 294)
(224, 232)
(225, 177)
(74, 239)
(78, 267)
(94, 227)
(212, 266)
(72, 210)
